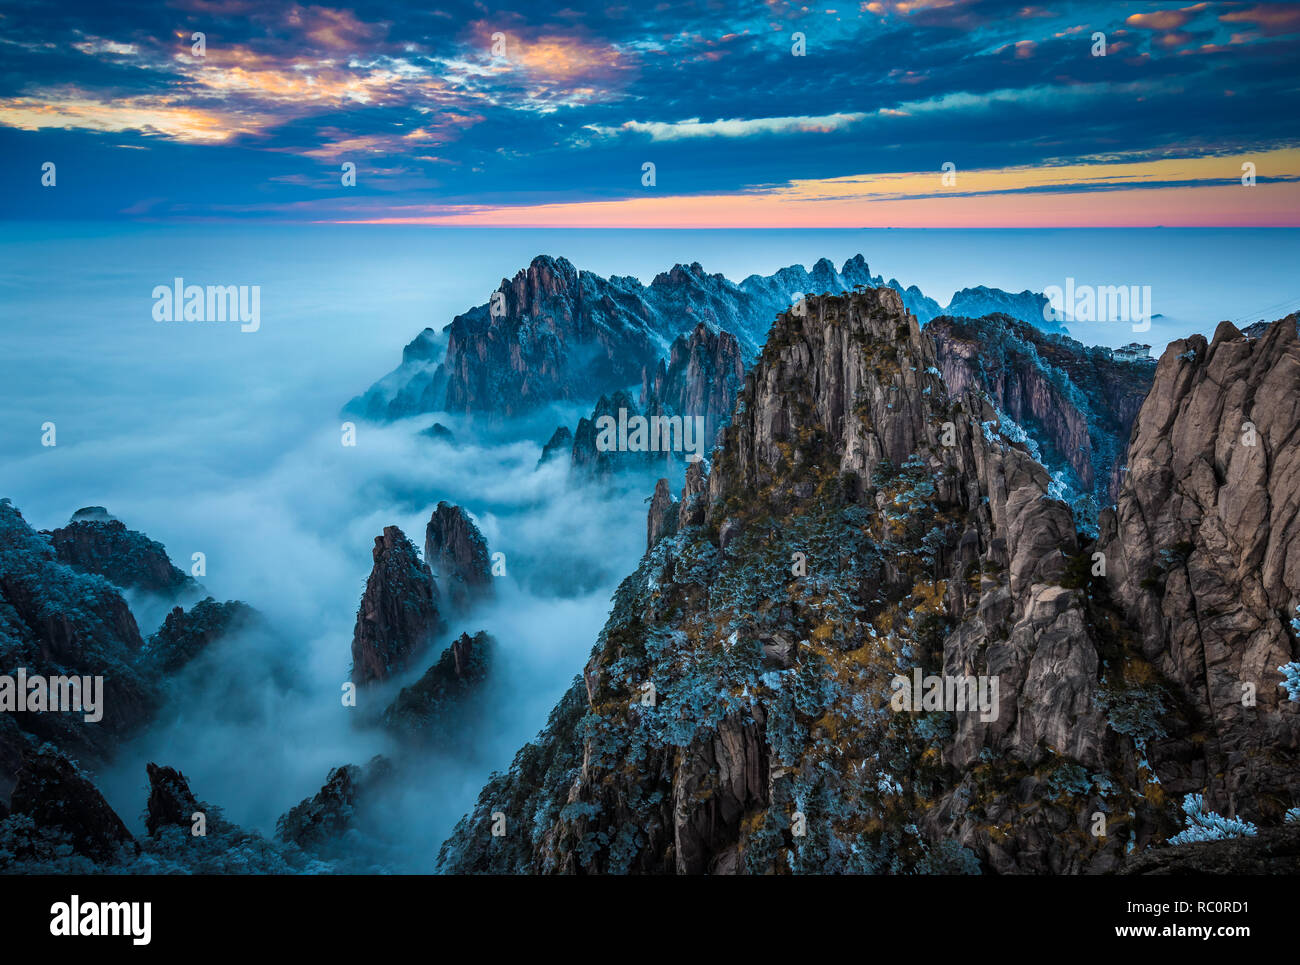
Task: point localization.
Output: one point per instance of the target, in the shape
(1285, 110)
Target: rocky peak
(458, 555)
(857, 272)
(980, 301)
(321, 821)
(928, 543)
(57, 796)
(680, 275)
(1077, 403)
(95, 542)
(852, 371)
(184, 635)
(425, 347)
(398, 612)
(534, 290)
(559, 446)
(1204, 555)
(701, 378)
(662, 519)
(444, 706)
(589, 461)
(171, 804)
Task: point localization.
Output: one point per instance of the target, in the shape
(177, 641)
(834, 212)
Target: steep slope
(1078, 403)
(457, 554)
(398, 613)
(1204, 553)
(737, 712)
(56, 621)
(446, 704)
(95, 542)
(701, 378)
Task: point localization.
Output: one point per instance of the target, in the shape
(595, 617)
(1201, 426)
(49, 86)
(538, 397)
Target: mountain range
(554, 333)
(1104, 553)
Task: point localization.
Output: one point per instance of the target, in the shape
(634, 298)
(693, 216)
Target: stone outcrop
(319, 822)
(744, 689)
(171, 803)
(398, 612)
(458, 555)
(439, 433)
(1078, 403)
(52, 791)
(559, 446)
(185, 635)
(442, 707)
(1203, 553)
(701, 378)
(95, 542)
(662, 519)
(1273, 851)
(55, 621)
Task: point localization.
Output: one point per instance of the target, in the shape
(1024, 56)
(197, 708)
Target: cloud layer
(546, 114)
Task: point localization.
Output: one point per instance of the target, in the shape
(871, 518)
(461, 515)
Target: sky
(912, 113)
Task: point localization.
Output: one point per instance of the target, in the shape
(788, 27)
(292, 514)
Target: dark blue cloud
(411, 96)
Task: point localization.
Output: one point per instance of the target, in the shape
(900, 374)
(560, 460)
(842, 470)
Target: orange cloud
(1079, 195)
(1272, 18)
(333, 29)
(149, 114)
(1165, 19)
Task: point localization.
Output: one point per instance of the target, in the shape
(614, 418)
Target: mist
(229, 444)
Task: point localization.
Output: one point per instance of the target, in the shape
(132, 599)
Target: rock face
(95, 542)
(771, 683)
(1274, 851)
(588, 461)
(458, 555)
(1204, 553)
(861, 525)
(702, 377)
(184, 635)
(320, 821)
(398, 613)
(443, 706)
(57, 621)
(662, 519)
(171, 804)
(53, 792)
(1078, 403)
